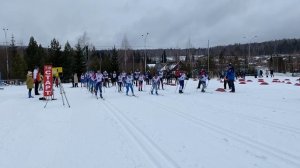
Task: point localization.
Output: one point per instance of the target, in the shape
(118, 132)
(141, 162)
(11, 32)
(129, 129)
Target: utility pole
(7, 67)
(125, 62)
(249, 48)
(145, 57)
(208, 57)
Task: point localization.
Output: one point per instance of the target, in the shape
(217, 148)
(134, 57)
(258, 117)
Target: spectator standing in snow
(29, 83)
(226, 80)
(36, 78)
(75, 80)
(230, 77)
(272, 73)
(267, 73)
(261, 73)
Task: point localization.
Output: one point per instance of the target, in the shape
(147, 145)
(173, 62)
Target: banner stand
(48, 86)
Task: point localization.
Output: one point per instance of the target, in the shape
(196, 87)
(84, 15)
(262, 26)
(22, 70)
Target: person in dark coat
(230, 75)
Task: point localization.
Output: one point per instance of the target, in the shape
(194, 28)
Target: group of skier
(95, 81)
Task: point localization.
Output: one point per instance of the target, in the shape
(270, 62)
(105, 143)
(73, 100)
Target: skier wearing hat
(129, 83)
(203, 77)
(181, 79)
(155, 83)
(99, 80)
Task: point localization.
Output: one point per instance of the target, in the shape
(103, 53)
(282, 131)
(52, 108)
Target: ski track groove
(271, 124)
(152, 150)
(275, 152)
(262, 121)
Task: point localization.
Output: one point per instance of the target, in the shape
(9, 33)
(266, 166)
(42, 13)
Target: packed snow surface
(258, 126)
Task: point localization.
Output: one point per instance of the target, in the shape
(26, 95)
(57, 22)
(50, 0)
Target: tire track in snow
(157, 156)
(273, 151)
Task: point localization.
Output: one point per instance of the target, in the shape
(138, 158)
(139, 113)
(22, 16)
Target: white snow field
(258, 126)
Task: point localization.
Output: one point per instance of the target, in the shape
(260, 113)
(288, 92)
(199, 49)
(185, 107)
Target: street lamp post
(7, 67)
(145, 41)
(249, 48)
(208, 56)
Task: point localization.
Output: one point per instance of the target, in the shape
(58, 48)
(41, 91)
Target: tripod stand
(62, 93)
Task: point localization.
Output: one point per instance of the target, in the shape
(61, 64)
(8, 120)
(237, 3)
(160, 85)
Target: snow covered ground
(258, 126)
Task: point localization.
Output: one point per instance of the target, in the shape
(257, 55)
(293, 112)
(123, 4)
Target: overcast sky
(170, 23)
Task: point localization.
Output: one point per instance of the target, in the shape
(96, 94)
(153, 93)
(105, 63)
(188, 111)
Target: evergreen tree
(18, 67)
(105, 61)
(271, 63)
(93, 60)
(55, 53)
(80, 64)
(67, 61)
(114, 60)
(43, 58)
(31, 58)
(212, 66)
(236, 63)
(18, 64)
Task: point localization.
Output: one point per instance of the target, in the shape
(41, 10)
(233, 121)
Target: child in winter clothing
(106, 81)
(141, 79)
(161, 78)
(29, 83)
(203, 77)
(114, 78)
(82, 78)
(155, 82)
(129, 83)
(136, 77)
(181, 79)
(99, 80)
(120, 82)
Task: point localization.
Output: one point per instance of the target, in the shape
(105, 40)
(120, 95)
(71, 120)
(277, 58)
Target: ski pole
(177, 85)
(185, 85)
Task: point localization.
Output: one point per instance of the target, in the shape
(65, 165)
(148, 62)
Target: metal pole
(249, 49)
(7, 66)
(125, 59)
(145, 56)
(208, 57)
(249, 53)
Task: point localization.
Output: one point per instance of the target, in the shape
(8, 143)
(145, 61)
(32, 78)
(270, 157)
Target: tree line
(84, 56)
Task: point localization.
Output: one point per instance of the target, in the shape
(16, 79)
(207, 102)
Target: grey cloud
(171, 23)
